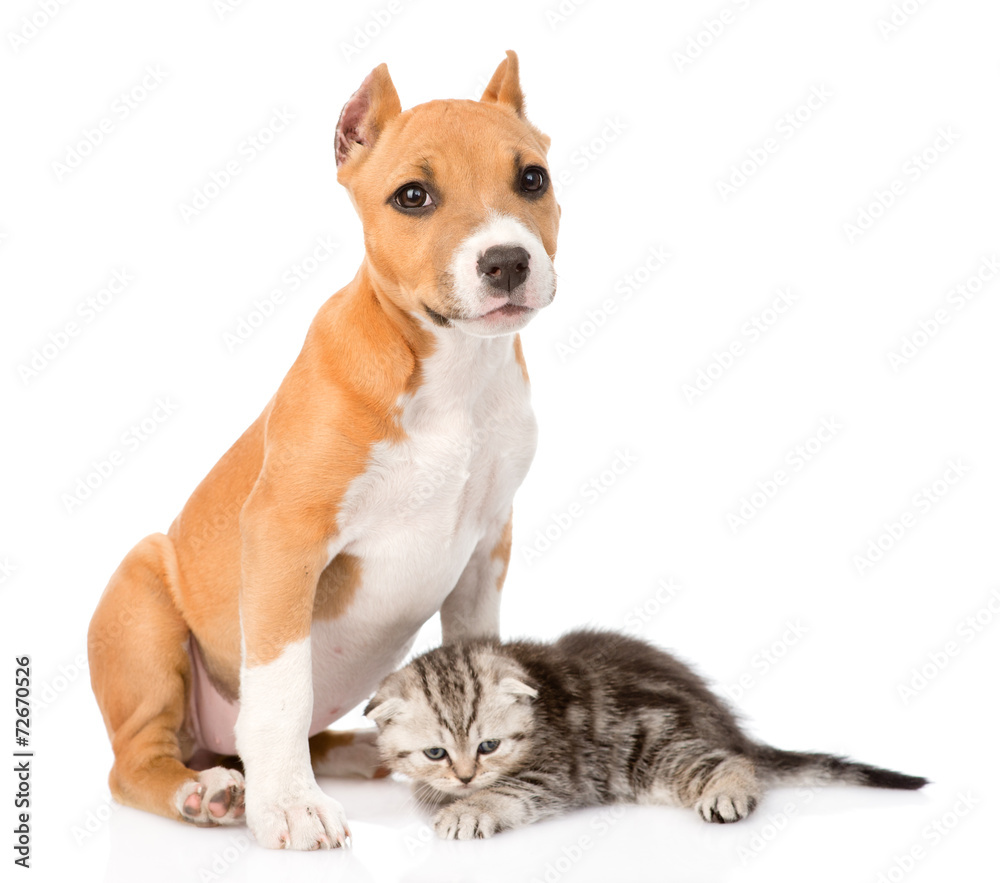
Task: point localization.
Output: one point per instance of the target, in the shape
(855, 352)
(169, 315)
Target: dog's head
(459, 216)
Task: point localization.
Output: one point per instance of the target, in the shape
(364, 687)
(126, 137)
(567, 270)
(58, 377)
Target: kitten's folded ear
(517, 688)
(381, 711)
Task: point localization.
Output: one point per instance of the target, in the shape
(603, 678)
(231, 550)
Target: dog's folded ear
(505, 87)
(366, 113)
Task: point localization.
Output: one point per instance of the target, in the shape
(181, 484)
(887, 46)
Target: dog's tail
(778, 767)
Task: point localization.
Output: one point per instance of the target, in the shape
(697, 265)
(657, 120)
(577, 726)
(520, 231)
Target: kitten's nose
(466, 779)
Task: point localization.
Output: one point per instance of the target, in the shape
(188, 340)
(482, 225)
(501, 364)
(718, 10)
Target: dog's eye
(436, 753)
(533, 180)
(489, 746)
(412, 196)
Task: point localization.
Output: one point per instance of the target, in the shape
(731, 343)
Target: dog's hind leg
(141, 676)
(346, 754)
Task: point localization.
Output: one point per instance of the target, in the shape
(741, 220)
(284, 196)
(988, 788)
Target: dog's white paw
(306, 820)
(215, 797)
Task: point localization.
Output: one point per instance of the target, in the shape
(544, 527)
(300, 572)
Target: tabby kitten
(507, 734)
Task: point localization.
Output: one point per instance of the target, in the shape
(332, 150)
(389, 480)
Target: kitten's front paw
(465, 820)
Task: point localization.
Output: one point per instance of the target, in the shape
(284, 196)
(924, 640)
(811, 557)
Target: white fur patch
(476, 297)
(284, 805)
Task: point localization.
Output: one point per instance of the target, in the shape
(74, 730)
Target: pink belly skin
(212, 718)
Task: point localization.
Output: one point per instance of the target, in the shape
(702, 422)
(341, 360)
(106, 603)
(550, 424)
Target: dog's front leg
(285, 808)
(472, 610)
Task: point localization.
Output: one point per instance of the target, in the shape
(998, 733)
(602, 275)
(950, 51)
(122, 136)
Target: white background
(642, 138)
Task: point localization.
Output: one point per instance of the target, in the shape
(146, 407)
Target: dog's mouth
(504, 319)
(507, 310)
(504, 311)
(499, 316)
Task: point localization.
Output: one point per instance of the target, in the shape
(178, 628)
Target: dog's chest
(425, 497)
(416, 515)
(467, 444)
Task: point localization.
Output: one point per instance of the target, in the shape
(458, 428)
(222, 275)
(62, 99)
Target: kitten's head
(455, 719)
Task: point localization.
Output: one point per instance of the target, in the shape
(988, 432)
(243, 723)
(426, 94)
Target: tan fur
(337, 585)
(346, 753)
(143, 707)
(501, 552)
(505, 85)
(519, 355)
(252, 541)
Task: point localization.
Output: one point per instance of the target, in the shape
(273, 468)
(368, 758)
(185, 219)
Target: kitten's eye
(412, 195)
(436, 753)
(489, 746)
(534, 180)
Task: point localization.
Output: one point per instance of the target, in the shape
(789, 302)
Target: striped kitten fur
(504, 734)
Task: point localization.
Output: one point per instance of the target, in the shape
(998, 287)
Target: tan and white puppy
(373, 491)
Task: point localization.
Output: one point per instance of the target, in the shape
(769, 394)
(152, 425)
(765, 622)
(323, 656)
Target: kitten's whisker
(421, 800)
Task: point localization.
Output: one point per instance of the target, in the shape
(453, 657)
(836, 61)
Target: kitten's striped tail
(779, 767)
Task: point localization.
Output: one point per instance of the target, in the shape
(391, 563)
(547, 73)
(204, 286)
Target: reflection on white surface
(838, 833)
(393, 843)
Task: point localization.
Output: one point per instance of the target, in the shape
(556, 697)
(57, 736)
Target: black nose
(504, 266)
(466, 779)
